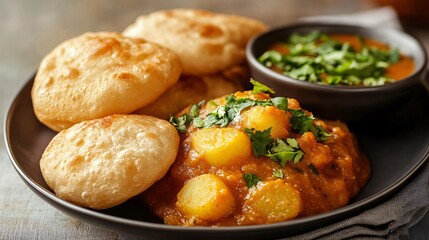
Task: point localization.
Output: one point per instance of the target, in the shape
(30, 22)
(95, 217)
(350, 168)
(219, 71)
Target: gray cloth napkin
(393, 218)
(379, 17)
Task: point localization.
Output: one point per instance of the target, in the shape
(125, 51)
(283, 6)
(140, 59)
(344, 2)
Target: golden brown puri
(98, 74)
(191, 90)
(102, 163)
(206, 42)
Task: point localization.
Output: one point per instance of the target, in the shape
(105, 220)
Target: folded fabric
(383, 17)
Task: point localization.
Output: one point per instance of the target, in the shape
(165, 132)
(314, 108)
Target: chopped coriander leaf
(276, 149)
(223, 115)
(194, 111)
(292, 142)
(278, 173)
(251, 179)
(198, 122)
(298, 156)
(282, 152)
(394, 55)
(272, 57)
(261, 141)
(334, 80)
(213, 103)
(281, 146)
(181, 122)
(282, 157)
(321, 134)
(280, 103)
(217, 117)
(302, 123)
(260, 88)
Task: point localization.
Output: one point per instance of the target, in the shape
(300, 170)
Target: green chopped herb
(181, 122)
(271, 57)
(213, 103)
(261, 141)
(280, 103)
(278, 173)
(194, 111)
(198, 122)
(251, 179)
(302, 123)
(283, 152)
(316, 57)
(394, 55)
(260, 88)
(276, 149)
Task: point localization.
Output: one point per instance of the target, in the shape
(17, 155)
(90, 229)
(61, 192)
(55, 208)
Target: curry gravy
(326, 178)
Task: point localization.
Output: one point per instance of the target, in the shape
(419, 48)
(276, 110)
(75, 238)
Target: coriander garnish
(276, 149)
(181, 122)
(251, 179)
(301, 122)
(318, 58)
(278, 173)
(283, 152)
(260, 88)
(261, 141)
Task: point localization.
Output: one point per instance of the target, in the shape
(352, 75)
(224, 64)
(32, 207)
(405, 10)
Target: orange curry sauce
(326, 178)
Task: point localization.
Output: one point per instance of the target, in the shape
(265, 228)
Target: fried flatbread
(103, 162)
(98, 74)
(206, 42)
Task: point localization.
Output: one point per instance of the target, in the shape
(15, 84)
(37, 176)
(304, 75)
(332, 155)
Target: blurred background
(32, 28)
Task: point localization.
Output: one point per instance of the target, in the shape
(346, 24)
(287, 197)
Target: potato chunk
(261, 118)
(222, 147)
(276, 200)
(205, 197)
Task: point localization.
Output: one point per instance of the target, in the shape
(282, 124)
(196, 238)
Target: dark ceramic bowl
(344, 103)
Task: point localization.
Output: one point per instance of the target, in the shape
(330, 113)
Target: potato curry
(248, 158)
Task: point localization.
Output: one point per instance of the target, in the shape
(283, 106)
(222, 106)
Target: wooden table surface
(30, 29)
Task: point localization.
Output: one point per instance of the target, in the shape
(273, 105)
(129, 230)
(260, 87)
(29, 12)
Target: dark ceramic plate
(396, 145)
